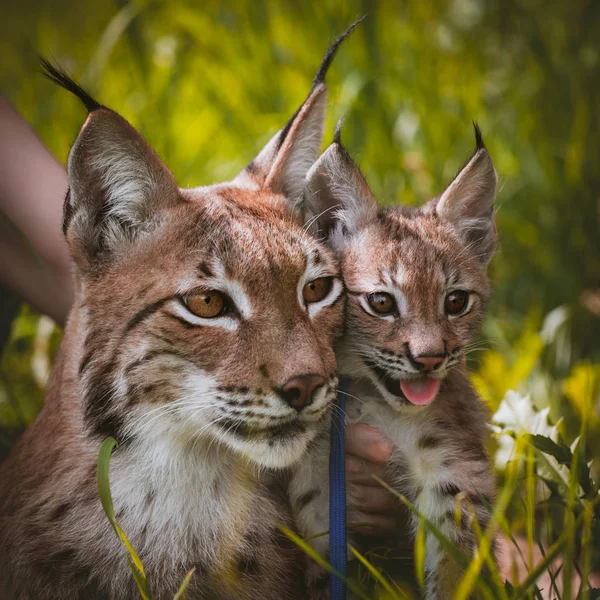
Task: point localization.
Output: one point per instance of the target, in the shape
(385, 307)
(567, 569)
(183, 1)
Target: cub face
(415, 277)
(206, 313)
(413, 309)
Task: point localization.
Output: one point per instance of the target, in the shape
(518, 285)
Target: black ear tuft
(321, 73)
(478, 136)
(331, 52)
(284, 162)
(58, 76)
(468, 202)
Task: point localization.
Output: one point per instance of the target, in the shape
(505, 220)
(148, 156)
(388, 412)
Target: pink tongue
(420, 391)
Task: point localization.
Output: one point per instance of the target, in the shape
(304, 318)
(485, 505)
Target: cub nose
(299, 391)
(428, 363)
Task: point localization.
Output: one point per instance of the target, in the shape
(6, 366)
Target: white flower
(516, 415)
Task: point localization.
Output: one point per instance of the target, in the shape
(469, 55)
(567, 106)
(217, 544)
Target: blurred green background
(208, 83)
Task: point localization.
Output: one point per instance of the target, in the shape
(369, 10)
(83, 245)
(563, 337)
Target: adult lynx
(201, 339)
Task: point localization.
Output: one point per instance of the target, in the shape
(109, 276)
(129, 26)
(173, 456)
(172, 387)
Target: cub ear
(283, 163)
(337, 198)
(468, 202)
(117, 183)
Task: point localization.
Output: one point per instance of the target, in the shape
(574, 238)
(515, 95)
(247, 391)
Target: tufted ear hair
(117, 183)
(283, 163)
(337, 198)
(468, 202)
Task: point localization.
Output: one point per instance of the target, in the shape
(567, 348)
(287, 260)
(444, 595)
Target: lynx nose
(299, 391)
(428, 362)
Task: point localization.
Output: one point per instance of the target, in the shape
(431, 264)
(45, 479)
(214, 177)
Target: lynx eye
(456, 302)
(382, 303)
(207, 305)
(317, 289)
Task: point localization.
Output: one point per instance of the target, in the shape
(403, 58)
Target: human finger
(367, 443)
(372, 524)
(373, 500)
(360, 471)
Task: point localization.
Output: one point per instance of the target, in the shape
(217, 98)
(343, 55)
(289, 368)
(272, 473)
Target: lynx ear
(337, 198)
(116, 181)
(117, 185)
(283, 163)
(468, 202)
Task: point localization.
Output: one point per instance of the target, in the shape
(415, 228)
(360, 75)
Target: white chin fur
(280, 455)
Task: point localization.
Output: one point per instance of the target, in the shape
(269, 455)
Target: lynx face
(210, 328)
(416, 277)
(208, 313)
(415, 301)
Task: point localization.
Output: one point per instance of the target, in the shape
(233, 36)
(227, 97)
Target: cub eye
(317, 289)
(456, 302)
(381, 303)
(207, 305)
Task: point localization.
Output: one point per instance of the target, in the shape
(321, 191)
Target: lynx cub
(416, 291)
(201, 339)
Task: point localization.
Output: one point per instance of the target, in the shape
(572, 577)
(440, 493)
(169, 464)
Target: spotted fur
(199, 406)
(417, 255)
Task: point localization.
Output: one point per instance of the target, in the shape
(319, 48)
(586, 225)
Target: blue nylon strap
(337, 496)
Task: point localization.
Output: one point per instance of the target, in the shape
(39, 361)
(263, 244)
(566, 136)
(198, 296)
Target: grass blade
(552, 553)
(180, 595)
(499, 588)
(320, 560)
(420, 555)
(460, 557)
(377, 575)
(135, 564)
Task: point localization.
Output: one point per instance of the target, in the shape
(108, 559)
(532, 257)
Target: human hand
(366, 451)
(32, 190)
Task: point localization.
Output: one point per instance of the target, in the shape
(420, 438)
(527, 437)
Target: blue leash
(337, 496)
